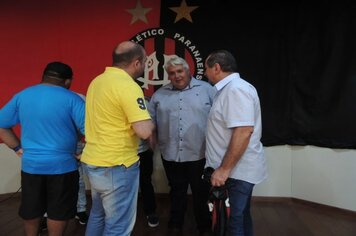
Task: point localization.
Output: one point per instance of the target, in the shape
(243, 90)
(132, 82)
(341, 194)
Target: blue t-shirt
(49, 117)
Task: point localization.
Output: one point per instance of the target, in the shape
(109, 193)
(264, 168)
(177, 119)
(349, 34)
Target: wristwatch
(17, 148)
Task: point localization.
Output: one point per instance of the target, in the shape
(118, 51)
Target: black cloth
(180, 175)
(55, 194)
(300, 56)
(146, 187)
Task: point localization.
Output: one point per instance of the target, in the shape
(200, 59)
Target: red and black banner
(301, 56)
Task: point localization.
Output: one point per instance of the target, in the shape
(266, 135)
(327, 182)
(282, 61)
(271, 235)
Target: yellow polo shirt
(113, 102)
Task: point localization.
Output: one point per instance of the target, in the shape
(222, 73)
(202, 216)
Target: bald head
(125, 46)
(130, 57)
(127, 52)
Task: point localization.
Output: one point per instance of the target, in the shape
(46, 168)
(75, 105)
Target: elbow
(145, 135)
(146, 132)
(143, 129)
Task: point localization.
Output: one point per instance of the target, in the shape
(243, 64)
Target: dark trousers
(147, 191)
(180, 175)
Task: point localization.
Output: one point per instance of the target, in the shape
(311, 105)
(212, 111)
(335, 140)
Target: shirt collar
(222, 83)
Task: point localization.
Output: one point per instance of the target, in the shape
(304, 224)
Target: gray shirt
(142, 146)
(181, 117)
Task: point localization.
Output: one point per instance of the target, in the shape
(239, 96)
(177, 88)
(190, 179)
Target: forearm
(238, 143)
(143, 129)
(237, 146)
(9, 138)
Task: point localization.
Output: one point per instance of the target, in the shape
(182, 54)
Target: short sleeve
(134, 104)
(239, 108)
(9, 115)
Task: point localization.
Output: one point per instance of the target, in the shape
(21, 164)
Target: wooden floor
(271, 216)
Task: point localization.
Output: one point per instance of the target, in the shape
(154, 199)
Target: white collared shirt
(236, 104)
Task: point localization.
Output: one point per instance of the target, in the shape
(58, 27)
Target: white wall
(326, 176)
(10, 172)
(322, 175)
(279, 167)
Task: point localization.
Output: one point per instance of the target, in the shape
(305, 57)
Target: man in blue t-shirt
(49, 115)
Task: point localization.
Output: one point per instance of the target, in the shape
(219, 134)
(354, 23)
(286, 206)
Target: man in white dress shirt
(233, 146)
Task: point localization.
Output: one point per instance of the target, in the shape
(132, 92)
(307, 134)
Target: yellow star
(138, 13)
(183, 11)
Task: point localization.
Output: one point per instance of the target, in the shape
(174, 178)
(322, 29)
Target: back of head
(58, 70)
(174, 61)
(57, 73)
(224, 58)
(127, 52)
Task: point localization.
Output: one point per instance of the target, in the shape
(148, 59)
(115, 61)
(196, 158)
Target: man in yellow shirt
(116, 117)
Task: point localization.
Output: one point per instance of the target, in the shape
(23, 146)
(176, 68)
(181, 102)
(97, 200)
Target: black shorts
(55, 194)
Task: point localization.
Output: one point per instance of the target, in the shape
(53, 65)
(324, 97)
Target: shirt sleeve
(152, 108)
(9, 115)
(134, 105)
(239, 108)
(78, 113)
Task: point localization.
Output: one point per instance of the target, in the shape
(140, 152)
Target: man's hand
(19, 152)
(78, 156)
(219, 177)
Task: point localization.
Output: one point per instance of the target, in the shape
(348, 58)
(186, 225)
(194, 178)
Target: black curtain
(300, 56)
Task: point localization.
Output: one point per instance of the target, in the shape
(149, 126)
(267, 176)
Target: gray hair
(174, 61)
